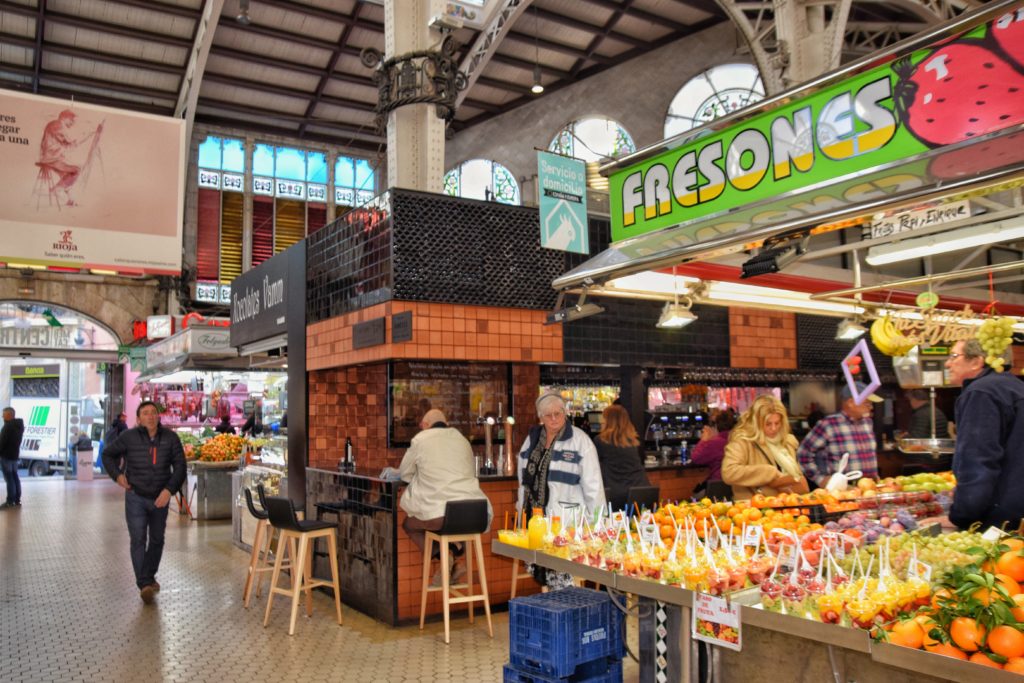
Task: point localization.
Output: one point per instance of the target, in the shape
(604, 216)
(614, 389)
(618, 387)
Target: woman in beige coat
(761, 454)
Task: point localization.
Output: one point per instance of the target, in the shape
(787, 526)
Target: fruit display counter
(860, 582)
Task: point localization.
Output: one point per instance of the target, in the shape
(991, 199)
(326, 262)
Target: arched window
(482, 179)
(593, 139)
(712, 94)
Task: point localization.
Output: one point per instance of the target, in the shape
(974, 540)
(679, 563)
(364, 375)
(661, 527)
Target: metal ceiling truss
(486, 44)
(188, 93)
(794, 41)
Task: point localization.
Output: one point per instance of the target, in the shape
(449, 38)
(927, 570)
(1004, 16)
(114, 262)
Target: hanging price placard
(716, 621)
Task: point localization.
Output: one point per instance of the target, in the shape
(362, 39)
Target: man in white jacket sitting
(438, 467)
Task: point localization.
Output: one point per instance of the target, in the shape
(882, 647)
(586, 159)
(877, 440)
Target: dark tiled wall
(817, 348)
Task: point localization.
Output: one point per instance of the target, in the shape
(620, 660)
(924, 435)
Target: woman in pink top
(711, 449)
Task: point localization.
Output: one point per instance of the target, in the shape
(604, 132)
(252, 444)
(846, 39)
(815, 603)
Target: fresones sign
(947, 93)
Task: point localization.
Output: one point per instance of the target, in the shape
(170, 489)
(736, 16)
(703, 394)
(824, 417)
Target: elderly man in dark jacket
(10, 451)
(989, 458)
(153, 469)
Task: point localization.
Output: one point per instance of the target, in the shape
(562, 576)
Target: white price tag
(992, 534)
(716, 621)
(921, 570)
(752, 535)
(649, 532)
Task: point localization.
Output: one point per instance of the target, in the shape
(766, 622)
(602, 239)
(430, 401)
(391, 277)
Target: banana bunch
(888, 339)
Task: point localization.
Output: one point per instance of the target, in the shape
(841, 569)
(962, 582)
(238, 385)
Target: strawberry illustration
(1008, 32)
(970, 161)
(959, 91)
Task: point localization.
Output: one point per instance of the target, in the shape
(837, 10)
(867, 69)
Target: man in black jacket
(154, 468)
(10, 451)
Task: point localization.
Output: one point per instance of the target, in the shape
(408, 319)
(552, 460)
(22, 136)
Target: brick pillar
(762, 339)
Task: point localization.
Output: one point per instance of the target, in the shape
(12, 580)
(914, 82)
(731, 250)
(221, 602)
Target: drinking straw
(506, 520)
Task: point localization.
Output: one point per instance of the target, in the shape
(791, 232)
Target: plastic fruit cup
(830, 608)
(794, 599)
(862, 612)
(771, 595)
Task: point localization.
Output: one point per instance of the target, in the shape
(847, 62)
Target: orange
(1018, 611)
(947, 650)
(758, 500)
(803, 519)
(984, 660)
(667, 531)
(942, 596)
(1015, 665)
(753, 515)
(967, 633)
(1006, 641)
(927, 624)
(1013, 543)
(724, 524)
(1011, 563)
(1009, 583)
(910, 633)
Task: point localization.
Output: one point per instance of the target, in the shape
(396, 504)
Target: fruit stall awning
(939, 115)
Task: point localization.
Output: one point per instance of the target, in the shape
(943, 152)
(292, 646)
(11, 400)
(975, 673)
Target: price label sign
(921, 570)
(752, 535)
(992, 534)
(716, 621)
(649, 532)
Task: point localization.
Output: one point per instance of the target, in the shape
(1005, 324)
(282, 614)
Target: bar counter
(381, 570)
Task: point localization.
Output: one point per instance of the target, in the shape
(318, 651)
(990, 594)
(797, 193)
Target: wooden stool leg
(298, 572)
(427, 549)
(254, 561)
(332, 548)
(446, 589)
(275, 576)
(515, 578)
(483, 583)
(307, 577)
(468, 552)
(268, 542)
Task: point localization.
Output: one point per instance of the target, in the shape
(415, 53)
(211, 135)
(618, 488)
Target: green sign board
(934, 97)
(562, 185)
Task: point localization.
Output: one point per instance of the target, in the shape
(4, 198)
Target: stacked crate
(572, 635)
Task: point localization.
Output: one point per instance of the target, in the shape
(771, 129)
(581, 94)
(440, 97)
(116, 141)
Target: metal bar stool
(464, 522)
(301, 533)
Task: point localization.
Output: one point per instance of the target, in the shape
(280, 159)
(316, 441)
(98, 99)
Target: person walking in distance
(10, 451)
(153, 470)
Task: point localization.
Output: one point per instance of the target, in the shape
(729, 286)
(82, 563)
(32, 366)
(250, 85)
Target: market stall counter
(382, 570)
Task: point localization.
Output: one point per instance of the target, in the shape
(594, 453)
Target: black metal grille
(348, 262)
(464, 251)
(625, 334)
(818, 349)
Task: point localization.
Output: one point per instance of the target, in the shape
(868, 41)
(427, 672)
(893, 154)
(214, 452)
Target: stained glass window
(482, 179)
(593, 139)
(222, 154)
(712, 94)
(354, 181)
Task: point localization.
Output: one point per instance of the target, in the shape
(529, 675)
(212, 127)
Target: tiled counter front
(382, 570)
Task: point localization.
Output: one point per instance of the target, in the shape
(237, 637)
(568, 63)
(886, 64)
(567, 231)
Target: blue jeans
(146, 525)
(13, 481)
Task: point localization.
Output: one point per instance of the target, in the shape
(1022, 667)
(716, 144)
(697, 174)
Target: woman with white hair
(558, 465)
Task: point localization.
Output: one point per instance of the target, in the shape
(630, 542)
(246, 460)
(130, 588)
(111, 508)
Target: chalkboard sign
(467, 393)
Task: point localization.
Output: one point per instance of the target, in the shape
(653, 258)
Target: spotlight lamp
(243, 13)
(772, 259)
(676, 315)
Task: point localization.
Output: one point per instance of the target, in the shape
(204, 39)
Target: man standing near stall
(848, 431)
(153, 470)
(989, 458)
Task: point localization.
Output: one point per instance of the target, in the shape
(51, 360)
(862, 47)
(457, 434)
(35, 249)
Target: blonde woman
(761, 454)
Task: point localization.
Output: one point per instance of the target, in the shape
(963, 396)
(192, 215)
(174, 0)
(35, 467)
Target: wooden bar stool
(259, 561)
(301, 534)
(464, 522)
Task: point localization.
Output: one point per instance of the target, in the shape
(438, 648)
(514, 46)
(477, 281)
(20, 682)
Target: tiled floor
(69, 610)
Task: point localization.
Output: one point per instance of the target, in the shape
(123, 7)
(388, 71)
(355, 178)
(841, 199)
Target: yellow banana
(879, 336)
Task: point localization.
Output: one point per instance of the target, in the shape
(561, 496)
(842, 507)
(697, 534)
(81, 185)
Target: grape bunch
(943, 552)
(995, 334)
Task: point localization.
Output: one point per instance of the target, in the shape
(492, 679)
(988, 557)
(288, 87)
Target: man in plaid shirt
(848, 431)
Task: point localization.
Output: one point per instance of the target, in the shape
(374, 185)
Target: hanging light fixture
(243, 13)
(850, 329)
(675, 314)
(538, 87)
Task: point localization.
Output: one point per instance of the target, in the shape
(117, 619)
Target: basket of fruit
(223, 450)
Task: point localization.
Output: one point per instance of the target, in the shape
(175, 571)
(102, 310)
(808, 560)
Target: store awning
(194, 348)
(822, 156)
(821, 208)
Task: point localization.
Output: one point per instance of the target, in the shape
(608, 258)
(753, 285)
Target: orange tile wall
(352, 402)
(762, 339)
(440, 332)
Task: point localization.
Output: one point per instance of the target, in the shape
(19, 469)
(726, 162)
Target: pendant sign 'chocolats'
(938, 328)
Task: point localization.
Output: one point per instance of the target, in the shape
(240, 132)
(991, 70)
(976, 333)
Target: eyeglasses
(551, 416)
(955, 355)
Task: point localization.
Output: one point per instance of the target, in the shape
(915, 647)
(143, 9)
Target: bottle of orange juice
(536, 529)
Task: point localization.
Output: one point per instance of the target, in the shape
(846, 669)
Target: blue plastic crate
(611, 673)
(552, 634)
